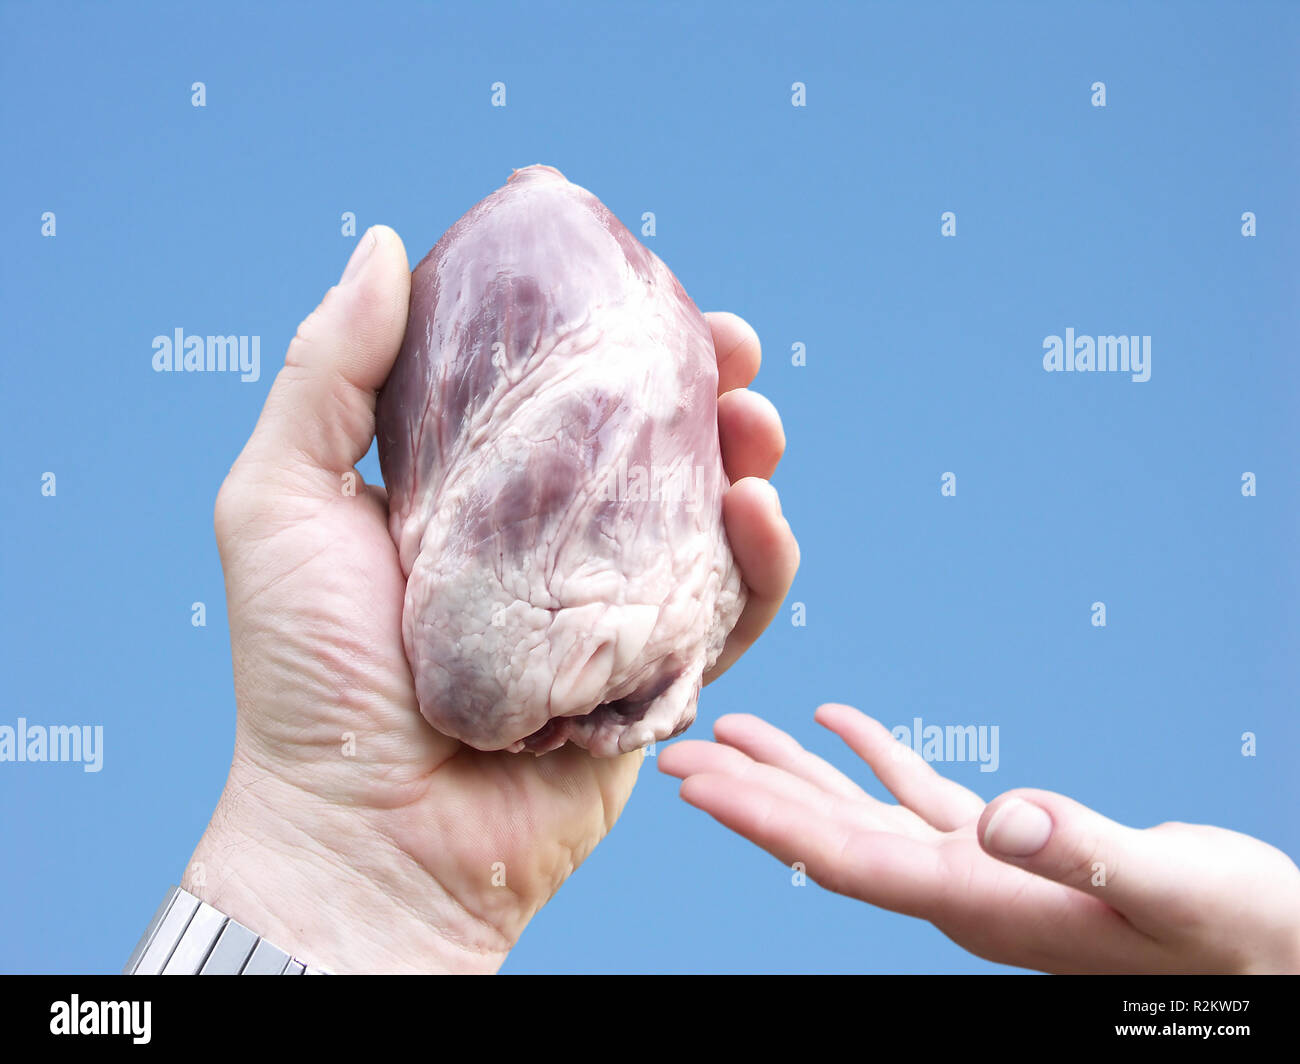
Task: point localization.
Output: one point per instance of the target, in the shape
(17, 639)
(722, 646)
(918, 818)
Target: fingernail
(1018, 829)
(359, 255)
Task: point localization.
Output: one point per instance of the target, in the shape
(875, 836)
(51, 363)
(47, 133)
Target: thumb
(1057, 838)
(320, 412)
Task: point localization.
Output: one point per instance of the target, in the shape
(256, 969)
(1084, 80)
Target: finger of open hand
(765, 743)
(1142, 874)
(940, 802)
(881, 868)
(697, 757)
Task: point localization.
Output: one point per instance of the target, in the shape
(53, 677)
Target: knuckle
(298, 352)
(1079, 861)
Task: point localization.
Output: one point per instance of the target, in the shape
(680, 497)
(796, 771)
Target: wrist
(323, 884)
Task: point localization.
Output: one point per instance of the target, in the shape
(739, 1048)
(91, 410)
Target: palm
(1001, 912)
(347, 707)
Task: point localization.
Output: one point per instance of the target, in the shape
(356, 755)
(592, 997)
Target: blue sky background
(819, 225)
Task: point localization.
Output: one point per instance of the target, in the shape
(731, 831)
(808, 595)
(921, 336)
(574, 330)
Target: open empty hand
(1031, 879)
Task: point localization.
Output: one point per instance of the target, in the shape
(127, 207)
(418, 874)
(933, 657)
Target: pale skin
(1031, 879)
(350, 833)
(354, 836)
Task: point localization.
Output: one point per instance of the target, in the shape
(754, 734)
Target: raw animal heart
(549, 439)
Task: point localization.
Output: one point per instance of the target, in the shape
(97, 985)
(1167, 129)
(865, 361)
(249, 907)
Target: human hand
(1032, 879)
(350, 833)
